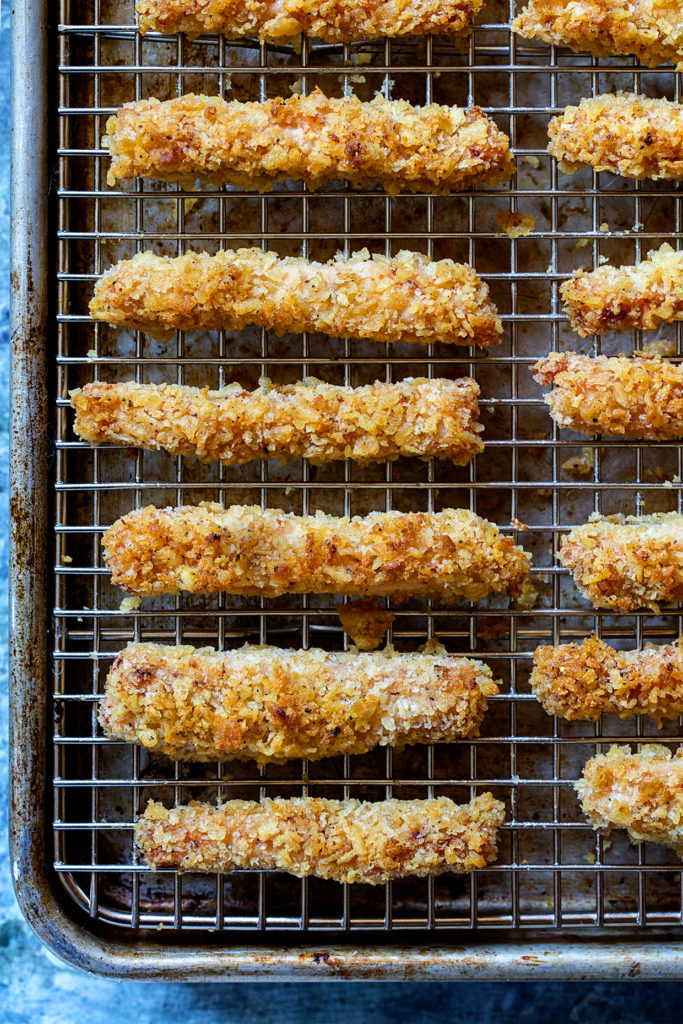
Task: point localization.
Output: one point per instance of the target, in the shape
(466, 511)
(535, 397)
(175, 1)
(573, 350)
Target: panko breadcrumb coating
(283, 21)
(406, 298)
(627, 562)
(641, 792)
(651, 30)
(344, 840)
(615, 396)
(274, 705)
(245, 550)
(618, 298)
(630, 135)
(311, 420)
(314, 139)
(584, 682)
(365, 622)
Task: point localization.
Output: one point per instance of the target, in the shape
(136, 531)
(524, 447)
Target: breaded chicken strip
(619, 298)
(641, 792)
(311, 420)
(594, 679)
(406, 298)
(627, 562)
(283, 21)
(651, 30)
(617, 396)
(245, 550)
(274, 705)
(314, 139)
(344, 840)
(627, 134)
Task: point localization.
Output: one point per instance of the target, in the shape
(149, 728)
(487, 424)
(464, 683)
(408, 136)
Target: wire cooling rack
(552, 870)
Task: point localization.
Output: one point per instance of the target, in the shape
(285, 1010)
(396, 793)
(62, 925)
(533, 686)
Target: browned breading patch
(407, 298)
(641, 792)
(268, 704)
(584, 682)
(619, 298)
(615, 396)
(311, 420)
(652, 30)
(282, 21)
(245, 550)
(365, 622)
(627, 562)
(314, 139)
(344, 840)
(630, 135)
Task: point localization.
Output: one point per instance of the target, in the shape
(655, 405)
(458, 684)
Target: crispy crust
(407, 298)
(268, 704)
(619, 298)
(283, 21)
(617, 396)
(641, 792)
(594, 679)
(627, 134)
(626, 563)
(311, 420)
(344, 840)
(649, 29)
(314, 139)
(245, 550)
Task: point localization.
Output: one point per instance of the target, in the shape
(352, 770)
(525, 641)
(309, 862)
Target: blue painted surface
(36, 987)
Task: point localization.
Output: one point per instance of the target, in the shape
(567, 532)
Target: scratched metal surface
(552, 872)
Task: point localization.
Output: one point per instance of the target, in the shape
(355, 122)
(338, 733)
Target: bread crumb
(518, 525)
(129, 604)
(362, 58)
(604, 227)
(365, 622)
(582, 464)
(659, 347)
(67, 559)
(91, 353)
(532, 161)
(296, 88)
(582, 243)
(515, 224)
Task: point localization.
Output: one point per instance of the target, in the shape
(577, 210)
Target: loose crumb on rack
(582, 464)
(365, 622)
(515, 224)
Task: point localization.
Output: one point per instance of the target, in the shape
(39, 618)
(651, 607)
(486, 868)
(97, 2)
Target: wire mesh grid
(552, 870)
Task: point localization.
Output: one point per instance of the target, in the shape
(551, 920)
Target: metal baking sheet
(559, 900)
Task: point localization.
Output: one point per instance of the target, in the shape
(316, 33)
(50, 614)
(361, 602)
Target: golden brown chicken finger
(651, 30)
(314, 139)
(619, 298)
(584, 682)
(311, 420)
(641, 792)
(283, 21)
(617, 396)
(629, 135)
(407, 298)
(269, 704)
(344, 840)
(245, 550)
(627, 562)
